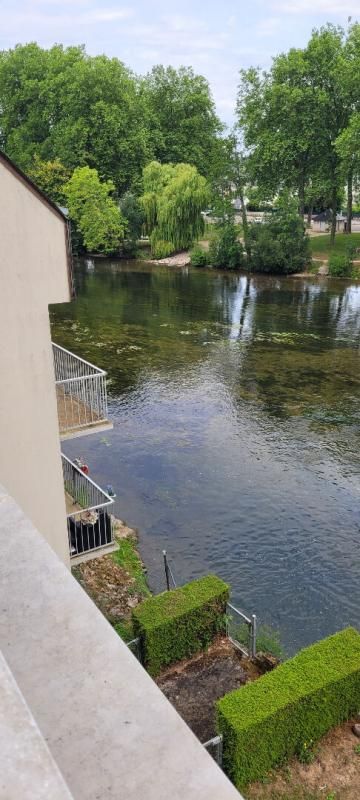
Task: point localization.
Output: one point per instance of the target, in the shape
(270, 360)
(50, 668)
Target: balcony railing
(89, 521)
(80, 391)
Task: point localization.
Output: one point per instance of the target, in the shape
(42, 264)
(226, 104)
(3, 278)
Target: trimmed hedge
(176, 624)
(270, 720)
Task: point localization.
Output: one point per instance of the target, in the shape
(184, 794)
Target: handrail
(109, 500)
(78, 358)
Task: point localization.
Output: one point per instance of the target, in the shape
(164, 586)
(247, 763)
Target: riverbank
(116, 582)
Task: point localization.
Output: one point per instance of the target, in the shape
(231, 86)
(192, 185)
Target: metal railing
(241, 630)
(89, 522)
(80, 389)
(215, 748)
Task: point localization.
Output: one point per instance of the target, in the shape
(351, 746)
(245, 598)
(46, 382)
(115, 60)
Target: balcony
(89, 520)
(81, 395)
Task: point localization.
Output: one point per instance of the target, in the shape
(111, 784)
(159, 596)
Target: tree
(133, 213)
(64, 104)
(50, 176)
(225, 251)
(96, 215)
(182, 117)
(291, 117)
(280, 245)
(173, 199)
(347, 143)
(276, 112)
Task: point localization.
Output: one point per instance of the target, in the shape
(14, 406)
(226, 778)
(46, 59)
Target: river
(236, 411)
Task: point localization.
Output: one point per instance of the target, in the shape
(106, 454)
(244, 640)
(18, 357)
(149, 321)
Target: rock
(266, 662)
(323, 270)
(356, 730)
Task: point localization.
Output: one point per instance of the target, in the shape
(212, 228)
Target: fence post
(253, 635)
(167, 575)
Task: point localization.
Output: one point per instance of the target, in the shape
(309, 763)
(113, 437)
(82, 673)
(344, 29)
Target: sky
(215, 38)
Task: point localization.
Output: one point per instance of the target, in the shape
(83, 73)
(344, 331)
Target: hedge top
(155, 611)
(309, 671)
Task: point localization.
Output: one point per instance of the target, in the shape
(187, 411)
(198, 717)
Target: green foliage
(160, 248)
(174, 196)
(96, 215)
(133, 214)
(322, 245)
(307, 753)
(84, 110)
(300, 119)
(225, 251)
(180, 623)
(199, 257)
(267, 639)
(266, 722)
(50, 176)
(182, 118)
(128, 558)
(280, 244)
(340, 265)
(124, 630)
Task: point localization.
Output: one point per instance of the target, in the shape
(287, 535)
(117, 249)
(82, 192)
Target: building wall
(33, 273)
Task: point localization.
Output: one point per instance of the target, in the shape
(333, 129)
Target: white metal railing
(89, 522)
(80, 389)
(241, 630)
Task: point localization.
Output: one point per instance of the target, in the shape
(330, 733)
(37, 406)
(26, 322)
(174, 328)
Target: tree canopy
(292, 118)
(97, 217)
(173, 199)
(182, 116)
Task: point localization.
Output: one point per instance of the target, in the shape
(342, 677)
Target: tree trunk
(302, 197)
(333, 214)
(309, 216)
(245, 223)
(349, 201)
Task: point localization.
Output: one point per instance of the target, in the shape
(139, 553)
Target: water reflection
(236, 438)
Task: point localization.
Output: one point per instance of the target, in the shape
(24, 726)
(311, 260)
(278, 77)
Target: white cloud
(267, 27)
(327, 7)
(107, 15)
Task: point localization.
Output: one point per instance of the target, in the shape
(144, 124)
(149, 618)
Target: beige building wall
(33, 273)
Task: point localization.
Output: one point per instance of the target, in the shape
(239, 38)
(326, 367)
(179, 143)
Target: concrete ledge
(27, 768)
(92, 554)
(111, 731)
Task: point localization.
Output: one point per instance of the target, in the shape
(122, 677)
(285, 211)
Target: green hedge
(266, 722)
(179, 623)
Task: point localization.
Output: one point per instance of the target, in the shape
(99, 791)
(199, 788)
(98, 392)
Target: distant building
(322, 222)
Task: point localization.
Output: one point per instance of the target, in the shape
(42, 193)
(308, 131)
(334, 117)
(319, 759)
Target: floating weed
(284, 337)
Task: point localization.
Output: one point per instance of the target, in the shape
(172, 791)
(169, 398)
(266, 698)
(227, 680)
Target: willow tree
(173, 199)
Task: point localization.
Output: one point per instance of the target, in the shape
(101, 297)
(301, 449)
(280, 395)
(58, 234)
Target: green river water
(236, 411)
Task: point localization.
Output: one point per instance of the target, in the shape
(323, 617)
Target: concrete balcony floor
(76, 418)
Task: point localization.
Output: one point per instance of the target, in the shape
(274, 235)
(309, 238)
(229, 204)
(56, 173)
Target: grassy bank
(321, 246)
(116, 582)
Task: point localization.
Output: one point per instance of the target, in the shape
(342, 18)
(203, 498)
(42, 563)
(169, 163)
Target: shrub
(280, 244)
(340, 265)
(199, 257)
(225, 251)
(160, 248)
(266, 722)
(176, 624)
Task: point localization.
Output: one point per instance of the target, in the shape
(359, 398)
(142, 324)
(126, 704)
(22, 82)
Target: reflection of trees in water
(134, 319)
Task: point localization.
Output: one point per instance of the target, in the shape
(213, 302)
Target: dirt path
(335, 772)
